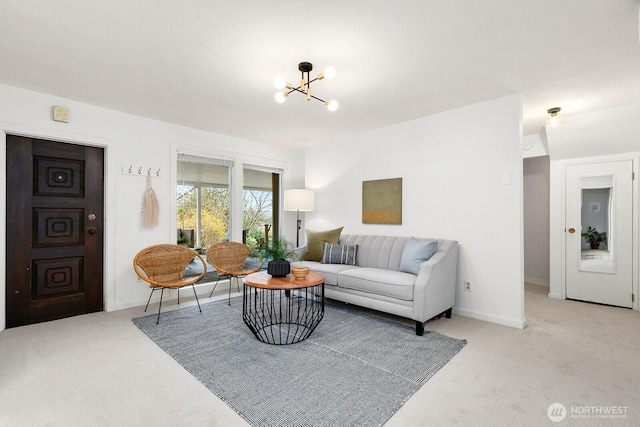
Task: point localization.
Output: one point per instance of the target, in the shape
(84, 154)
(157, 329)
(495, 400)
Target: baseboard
(536, 281)
(519, 324)
(203, 290)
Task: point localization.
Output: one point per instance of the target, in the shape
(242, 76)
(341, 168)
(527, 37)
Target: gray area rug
(354, 370)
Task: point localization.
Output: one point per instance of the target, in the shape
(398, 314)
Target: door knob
(572, 230)
(92, 230)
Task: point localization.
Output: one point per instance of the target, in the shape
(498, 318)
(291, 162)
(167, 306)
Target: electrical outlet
(467, 286)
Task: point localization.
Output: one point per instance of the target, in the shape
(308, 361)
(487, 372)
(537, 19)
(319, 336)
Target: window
(260, 204)
(203, 200)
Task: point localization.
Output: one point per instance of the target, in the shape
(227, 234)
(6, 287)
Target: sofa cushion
(339, 254)
(416, 252)
(315, 240)
(329, 271)
(378, 281)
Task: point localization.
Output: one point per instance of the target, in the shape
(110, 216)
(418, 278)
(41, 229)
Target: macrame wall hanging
(150, 207)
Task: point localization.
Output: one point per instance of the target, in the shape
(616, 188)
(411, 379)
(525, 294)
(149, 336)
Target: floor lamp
(299, 200)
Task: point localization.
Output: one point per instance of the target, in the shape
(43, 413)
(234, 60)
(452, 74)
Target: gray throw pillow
(339, 254)
(416, 252)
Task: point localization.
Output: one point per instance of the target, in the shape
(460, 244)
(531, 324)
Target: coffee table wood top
(263, 280)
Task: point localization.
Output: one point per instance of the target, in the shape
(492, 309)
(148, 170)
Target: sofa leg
(419, 328)
(447, 313)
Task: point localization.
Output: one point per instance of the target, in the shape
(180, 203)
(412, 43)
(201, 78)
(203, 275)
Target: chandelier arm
(297, 89)
(315, 97)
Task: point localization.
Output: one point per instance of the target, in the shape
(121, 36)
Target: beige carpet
(101, 370)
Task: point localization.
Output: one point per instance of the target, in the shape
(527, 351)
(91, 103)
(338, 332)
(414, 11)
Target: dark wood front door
(55, 199)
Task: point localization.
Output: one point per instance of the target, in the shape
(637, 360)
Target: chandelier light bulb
(280, 97)
(329, 72)
(279, 82)
(332, 105)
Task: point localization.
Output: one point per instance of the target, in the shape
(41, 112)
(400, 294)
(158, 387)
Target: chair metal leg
(150, 295)
(160, 305)
(214, 287)
(178, 296)
(229, 300)
(194, 292)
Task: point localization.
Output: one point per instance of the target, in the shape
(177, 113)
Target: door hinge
(633, 297)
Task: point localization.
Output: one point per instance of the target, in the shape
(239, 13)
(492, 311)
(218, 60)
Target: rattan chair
(229, 259)
(163, 266)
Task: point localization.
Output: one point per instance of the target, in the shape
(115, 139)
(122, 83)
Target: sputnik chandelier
(305, 85)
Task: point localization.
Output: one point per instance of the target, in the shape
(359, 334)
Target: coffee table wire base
(281, 317)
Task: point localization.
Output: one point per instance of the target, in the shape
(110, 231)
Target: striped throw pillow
(339, 254)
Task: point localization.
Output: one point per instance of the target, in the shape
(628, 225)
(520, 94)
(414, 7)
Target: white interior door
(600, 196)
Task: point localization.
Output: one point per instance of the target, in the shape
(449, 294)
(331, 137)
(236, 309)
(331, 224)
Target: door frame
(108, 290)
(557, 216)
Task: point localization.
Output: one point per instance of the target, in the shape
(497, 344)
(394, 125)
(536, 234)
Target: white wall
(131, 140)
(462, 180)
(536, 220)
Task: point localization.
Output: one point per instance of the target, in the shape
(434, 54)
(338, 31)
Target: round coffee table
(278, 315)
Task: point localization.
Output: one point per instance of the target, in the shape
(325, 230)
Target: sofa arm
(435, 286)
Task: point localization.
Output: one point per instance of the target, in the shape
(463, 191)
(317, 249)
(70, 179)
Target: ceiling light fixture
(553, 121)
(305, 85)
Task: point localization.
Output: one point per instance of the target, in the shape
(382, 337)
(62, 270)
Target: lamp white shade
(299, 200)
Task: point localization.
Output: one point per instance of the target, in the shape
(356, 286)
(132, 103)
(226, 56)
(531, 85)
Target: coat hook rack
(135, 170)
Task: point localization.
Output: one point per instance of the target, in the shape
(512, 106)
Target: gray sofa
(377, 282)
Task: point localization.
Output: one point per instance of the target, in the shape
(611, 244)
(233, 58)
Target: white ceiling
(210, 64)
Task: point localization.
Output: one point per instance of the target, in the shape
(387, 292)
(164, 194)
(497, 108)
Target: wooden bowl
(300, 273)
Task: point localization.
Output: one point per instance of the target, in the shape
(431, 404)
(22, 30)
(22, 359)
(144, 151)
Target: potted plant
(280, 253)
(184, 241)
(594, 237)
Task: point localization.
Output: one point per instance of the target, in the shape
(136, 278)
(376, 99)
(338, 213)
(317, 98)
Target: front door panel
(54, 230)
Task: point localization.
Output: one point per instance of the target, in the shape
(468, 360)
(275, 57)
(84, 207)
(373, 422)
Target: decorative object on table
(382, 201)
(300, 273)
(594, 237)
(280, 254)
(163, 267)
(299, 200)
(351, 360)
(305, 85)
(230, 259)
(151, 208)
